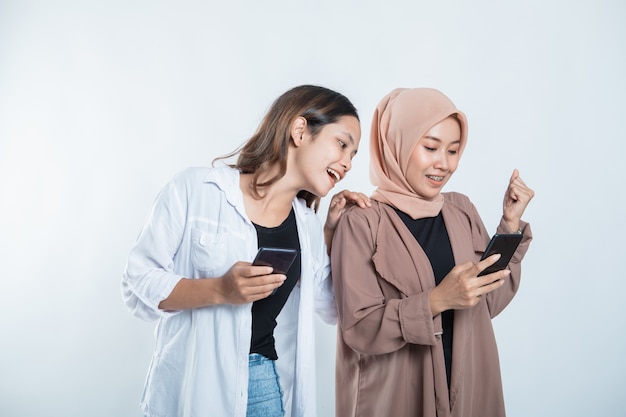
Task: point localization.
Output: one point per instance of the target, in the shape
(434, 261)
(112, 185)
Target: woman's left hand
(516, 199)
(338, 204)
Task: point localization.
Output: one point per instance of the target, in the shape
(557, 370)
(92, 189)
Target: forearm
(194, 293)
(437, 304)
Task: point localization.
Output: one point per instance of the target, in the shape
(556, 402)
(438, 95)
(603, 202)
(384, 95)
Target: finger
(521, 188)
(486, 289)
(485, 263)
(522, 193)
(518, 180)
(336, 201)
(262, 284)
(263, 291)
(514, 175)
(337, 206)
(519, 193)
(361, 199)
(267, 280)
(258, 294)
(526, 191)
(493, 277)
(355, 197)
(512, 194)
(257, 271)
(520, 184)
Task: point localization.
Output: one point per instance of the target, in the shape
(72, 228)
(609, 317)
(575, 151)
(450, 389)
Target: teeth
(436, 178)
(334, 174)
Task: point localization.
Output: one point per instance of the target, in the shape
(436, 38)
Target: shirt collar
(227, 179)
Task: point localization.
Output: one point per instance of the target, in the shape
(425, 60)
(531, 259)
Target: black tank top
(265, 311)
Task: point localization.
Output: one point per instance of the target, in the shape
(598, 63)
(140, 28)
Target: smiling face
(324, 160)
(435, 158)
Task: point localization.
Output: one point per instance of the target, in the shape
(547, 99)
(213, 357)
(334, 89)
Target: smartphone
(278, 258)
(505, 244)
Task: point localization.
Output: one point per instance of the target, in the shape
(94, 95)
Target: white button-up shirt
(198, 228)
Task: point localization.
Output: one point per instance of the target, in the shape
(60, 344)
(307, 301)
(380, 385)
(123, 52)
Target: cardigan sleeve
(496, 300)
(370, 322)
(500, 298)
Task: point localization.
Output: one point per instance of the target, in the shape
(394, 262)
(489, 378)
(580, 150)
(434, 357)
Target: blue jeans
(264, 392)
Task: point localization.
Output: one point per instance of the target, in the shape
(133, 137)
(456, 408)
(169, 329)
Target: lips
(334, 175)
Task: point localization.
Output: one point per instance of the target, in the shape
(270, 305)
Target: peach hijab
(400, 120)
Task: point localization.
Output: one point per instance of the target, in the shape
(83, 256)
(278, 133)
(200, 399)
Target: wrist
(220, 291)
(513, 226)
(436, 306)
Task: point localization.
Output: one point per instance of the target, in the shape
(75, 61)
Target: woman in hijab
(415, 335)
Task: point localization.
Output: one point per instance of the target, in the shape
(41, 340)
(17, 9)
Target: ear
(298, 128)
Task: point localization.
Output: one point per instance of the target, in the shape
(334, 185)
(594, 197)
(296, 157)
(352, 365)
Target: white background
(101, 102)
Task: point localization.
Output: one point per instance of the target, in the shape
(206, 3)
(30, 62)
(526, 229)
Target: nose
(442, 162)
(346, 163)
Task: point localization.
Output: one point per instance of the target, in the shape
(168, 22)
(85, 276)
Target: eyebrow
(349, 136)
(439, 140)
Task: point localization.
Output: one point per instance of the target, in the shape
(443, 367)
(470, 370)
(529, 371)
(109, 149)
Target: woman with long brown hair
(234, 339)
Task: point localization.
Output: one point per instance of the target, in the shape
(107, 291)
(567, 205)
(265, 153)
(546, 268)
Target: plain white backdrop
(102, 102)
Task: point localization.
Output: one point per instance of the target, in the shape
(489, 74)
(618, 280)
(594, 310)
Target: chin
(323, 194)
(318, 192)
(429, 197)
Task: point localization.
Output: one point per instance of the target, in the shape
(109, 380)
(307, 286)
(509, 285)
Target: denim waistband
(257, 359)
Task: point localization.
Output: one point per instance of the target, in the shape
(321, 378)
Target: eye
(342, 144)
(429, 149)
(453, 152)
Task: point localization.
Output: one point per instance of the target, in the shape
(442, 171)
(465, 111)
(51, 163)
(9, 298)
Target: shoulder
(458, 201)
(194, 178)
(190, 175)
(456, 198)
(356, 216)
(206, 174)
(197, 185)
(374, 211)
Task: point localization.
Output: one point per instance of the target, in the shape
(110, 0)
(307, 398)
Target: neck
(273, 205)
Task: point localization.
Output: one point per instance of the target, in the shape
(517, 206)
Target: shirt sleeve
(324, 295)
(325, 305)
(149, 277)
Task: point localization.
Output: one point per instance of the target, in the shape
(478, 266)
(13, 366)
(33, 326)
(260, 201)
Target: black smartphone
(278, 258)
(505, 244)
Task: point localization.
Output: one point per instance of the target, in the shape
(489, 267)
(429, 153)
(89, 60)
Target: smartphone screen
(505, 244)
(278, 258)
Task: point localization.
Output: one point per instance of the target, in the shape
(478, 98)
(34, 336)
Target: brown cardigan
(390, 360)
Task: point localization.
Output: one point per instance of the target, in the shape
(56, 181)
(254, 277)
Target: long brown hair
(268, 146)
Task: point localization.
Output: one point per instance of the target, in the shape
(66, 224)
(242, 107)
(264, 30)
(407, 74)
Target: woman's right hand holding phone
(242, 283)
(462, 288)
